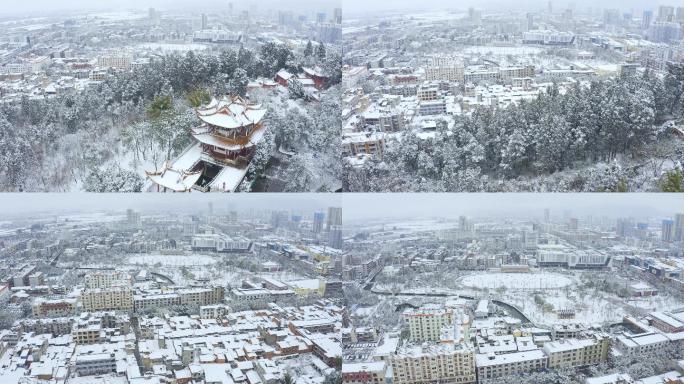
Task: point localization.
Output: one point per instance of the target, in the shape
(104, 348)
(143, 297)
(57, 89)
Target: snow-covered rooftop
(230, 113)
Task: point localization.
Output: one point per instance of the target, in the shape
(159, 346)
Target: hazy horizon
(15, 204)
(519, 205)
(352, 8)
(42, 7)
(356, 7)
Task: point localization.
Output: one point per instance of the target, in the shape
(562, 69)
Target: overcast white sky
(518, 205)
(8, 7)
(350, 7)
(353, 7)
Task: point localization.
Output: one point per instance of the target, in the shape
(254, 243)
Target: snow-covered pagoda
(225, 143)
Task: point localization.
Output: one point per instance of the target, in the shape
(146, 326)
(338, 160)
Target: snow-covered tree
(295, 89)
(113, 179)
(308, 51)
(16, 154)
(320, 51)
(298, 177)
(238, 84)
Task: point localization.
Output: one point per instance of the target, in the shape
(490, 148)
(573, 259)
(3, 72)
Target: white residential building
(446, 363)
(641, 344)
(491, 365)
(577, 352)
(426, 324)
(106, 299)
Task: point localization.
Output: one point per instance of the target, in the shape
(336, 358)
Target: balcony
(219, 139)
(216, 158)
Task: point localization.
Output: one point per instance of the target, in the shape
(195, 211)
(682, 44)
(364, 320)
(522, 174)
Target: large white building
(547, 37)
(553, 255)
(217, 242)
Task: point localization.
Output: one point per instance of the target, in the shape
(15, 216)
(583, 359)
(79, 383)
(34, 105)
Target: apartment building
(54, 308)
(577, 352)
(107, 279)
(362, 143)
(445, 363)
(435, 107)
(509, 73)
(258, 294)
(426, 324)
(95, 364)
(188, 296)
(215, 311)
(56, 327)
(667, 322)
(202, 296)
(87, 333)
(448, 73)
(641, 344)
(108, 299)
(118, 62)
(491, 365)
(161, 300)
(428, 92)
(383, 119)
(481, 75)
(364, 373)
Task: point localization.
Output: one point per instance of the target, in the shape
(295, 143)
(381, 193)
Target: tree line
(557, 131)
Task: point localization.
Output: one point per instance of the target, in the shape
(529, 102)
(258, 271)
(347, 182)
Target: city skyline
(36, 204)
(44, 7)
(355, 8)
(359, 207)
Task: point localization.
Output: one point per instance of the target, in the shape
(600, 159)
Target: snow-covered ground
(538, 295)
(518, 281)
(590, 310)
(173, 260)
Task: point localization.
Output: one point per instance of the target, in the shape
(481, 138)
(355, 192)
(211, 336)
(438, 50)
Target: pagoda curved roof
(174, 179)
(231, 112)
